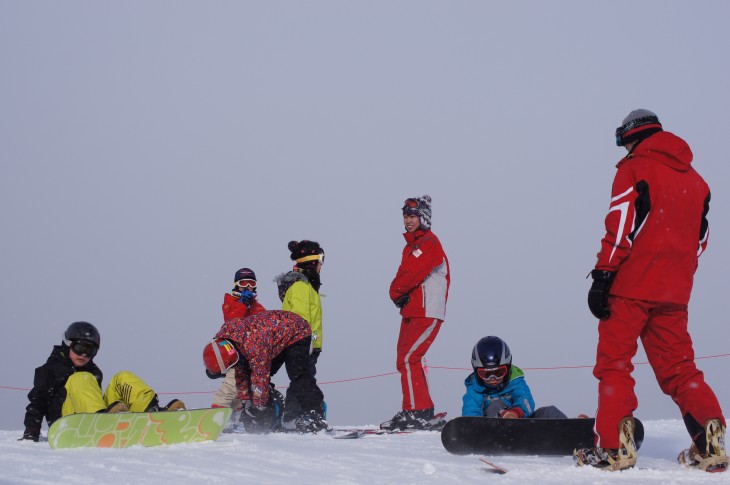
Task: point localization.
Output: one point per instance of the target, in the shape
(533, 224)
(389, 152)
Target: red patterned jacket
(424, 275)
(656, 226)
(259, 338)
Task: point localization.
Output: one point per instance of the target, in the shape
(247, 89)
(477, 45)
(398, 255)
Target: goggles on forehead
(487, 374)
(312, 257)
(411, 207)
(246, 283)
(83, 348)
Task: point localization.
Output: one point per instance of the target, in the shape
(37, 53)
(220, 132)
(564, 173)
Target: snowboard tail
(122, 430)
(495, 436)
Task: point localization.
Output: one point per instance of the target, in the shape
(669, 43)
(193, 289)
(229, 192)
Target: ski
(361, 433)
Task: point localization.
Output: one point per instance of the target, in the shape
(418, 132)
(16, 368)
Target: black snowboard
(494, 436)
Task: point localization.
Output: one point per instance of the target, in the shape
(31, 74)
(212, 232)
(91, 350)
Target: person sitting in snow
(497, 389)
(70, 382)
(257, 347)
(241, 302)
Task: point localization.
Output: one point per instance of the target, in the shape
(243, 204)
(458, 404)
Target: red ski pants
(415, 338)
(662, 328)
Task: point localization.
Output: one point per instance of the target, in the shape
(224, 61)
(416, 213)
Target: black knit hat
(305, 251)
(244, 274)
(639, 124)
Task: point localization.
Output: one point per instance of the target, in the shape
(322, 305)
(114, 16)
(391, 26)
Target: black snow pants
(303, 394)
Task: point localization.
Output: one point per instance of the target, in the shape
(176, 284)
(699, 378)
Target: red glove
(510, 413)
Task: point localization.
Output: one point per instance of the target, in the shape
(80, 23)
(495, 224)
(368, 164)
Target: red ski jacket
(656, 227)
(259, 338)
(424, 275)
(234, 308)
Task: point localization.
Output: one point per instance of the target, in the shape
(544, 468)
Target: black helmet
(491, 352)
(82, 331)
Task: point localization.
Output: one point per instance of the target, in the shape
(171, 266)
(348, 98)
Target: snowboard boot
(410, 420)
(116, 407)
(234, 424)
(311, 422)
(174, 405)
(713, 458)
(611, 459)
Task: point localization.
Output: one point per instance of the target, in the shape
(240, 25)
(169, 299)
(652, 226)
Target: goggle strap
(218, 356)
(313, 257)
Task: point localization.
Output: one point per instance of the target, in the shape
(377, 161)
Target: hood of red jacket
(666, 148)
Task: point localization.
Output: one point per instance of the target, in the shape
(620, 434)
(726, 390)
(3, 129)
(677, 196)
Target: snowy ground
(416, 458)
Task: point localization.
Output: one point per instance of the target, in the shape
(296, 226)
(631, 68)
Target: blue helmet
(492, 352)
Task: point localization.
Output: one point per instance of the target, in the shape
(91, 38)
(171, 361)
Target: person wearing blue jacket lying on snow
(497, 389)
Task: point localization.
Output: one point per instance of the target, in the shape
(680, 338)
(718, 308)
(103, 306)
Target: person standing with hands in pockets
(420, 290)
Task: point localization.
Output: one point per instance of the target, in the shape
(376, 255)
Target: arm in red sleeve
(416, 266)
(616, 245)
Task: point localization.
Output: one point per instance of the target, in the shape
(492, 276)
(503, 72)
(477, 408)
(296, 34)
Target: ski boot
(611, 459)
(422, 419)
(713, 458)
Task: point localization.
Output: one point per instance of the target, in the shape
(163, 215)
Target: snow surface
(416, 458)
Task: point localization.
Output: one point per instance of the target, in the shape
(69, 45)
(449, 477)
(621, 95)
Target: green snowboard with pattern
(122, 430)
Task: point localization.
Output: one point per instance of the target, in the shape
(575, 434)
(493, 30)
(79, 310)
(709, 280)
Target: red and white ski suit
(423, 275)
(656, 228)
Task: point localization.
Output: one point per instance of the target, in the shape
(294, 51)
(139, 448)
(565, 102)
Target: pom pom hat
(304, 251)
(421, 207)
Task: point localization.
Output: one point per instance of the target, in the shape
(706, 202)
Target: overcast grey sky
(150, 149)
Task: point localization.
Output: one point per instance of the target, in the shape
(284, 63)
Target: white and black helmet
(491, 352)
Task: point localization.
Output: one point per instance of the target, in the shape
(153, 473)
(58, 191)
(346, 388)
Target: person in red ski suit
(420, 290)
(656, 229)
(241, 302)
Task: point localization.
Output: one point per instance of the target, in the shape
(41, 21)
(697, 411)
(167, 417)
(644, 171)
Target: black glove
(257, 419)
(402, 301)
(247, 298)
(32, 434)
(213, 376)
(598, 294)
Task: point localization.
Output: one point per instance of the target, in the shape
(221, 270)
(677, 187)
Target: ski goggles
(246, 283)
(84, 348)
(492, 373)
(410, 207)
